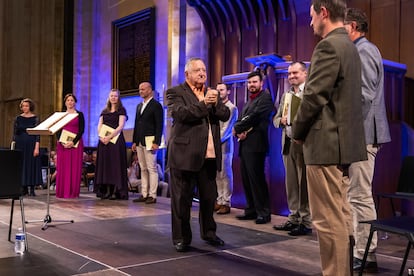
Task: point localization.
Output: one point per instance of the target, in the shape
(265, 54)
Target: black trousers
(254, 183)
(182, 192)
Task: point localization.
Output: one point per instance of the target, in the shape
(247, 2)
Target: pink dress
(69, 162)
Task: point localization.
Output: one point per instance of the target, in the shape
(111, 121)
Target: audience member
(376, 133)
(224, 178)
(329, 122)
(89, 170)
(194, 153)
(52, 161)
(134, 173)
(149, 122)
(162, 184)
(70, 153)
(299, 218)
(251, 130)
(29, 146)
(111, 178)
(53, 174)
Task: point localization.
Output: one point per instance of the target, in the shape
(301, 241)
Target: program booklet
(290, 107)
(149, 140)
(67, 136)
(106, 131)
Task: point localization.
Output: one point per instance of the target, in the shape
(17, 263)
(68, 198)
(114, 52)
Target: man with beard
(251, 130)
(224, 178)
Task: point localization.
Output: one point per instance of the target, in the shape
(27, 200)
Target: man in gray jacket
(376, 133)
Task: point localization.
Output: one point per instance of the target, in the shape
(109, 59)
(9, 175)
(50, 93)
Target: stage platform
(120, 237)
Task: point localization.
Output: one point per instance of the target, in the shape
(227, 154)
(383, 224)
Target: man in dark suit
(251, 130)
(329, 122)
(194, 153)
(149, 122)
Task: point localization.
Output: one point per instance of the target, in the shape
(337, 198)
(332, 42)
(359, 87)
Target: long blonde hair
(119, 104)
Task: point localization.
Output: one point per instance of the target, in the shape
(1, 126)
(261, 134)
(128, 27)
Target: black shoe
(287, 226)
(246, 217)
(300, 230)
(181, 247)
(263, 220)
(216, 241)
(150, 200)
(140, 199)
(370, 267)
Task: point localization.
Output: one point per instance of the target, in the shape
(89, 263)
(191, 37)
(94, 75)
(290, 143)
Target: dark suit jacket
(187, 143)
(149, 123)
(329, 118)
(255, 117)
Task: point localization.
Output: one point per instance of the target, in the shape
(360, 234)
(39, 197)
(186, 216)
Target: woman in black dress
(29, 146)
(111, 163)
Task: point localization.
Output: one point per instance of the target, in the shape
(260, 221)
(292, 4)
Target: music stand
(263, 61)
(48, 128)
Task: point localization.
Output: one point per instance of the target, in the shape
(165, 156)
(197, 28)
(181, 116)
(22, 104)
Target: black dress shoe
(300, 230)
(106, 196)
(140, 199)
(263, 220)
(370, 267)
(246, 217)
(287, 226)
(216, 241)
(181, 247)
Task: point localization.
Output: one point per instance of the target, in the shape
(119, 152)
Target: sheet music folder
(52, 124)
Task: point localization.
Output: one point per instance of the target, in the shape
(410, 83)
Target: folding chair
(403, 226)
(405, 189)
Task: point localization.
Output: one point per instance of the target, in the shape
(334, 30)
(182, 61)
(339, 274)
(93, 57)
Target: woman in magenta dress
(70, 154)
(111, 163)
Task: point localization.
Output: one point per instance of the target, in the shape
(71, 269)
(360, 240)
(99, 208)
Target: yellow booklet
(290, 107)
(149, 140)
(67, 136)
(106, 131)
(293, 109)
